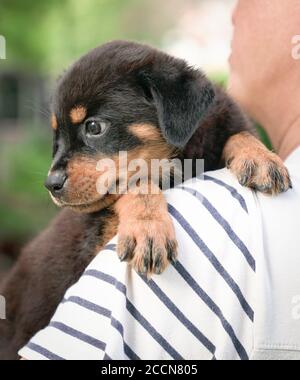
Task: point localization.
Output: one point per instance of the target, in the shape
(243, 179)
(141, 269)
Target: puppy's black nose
(55, 182)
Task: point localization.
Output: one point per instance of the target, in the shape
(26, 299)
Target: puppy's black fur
(121, 84)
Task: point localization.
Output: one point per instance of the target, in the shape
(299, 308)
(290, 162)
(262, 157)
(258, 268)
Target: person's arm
(205, 297)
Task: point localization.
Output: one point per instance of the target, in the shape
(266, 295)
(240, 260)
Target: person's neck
(290, 140)
(280, 116)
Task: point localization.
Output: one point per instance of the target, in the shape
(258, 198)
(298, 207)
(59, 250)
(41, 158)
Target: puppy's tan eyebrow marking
(78, 114)
(53, 122)
(145, 131)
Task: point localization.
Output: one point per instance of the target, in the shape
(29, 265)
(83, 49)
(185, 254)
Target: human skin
(264, 72)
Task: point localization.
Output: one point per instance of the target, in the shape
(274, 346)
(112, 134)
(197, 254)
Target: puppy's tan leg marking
(108, 231)
(255, 166)
(146, 232)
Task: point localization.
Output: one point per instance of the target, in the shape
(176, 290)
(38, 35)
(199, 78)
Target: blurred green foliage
(264, 137)
(48, 35)
(25, 206)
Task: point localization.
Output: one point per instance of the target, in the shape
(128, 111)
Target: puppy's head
(121, 96)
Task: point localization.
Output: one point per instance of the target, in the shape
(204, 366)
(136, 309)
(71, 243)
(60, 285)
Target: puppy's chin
(55, 200)
(87, 208)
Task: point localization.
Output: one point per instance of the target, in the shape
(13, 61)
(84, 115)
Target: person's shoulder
(219, 188)
(220, 210)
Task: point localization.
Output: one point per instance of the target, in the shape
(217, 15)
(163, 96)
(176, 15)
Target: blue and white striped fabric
(202, 307)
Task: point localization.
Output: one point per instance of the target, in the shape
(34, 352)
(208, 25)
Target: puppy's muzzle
(55, 182)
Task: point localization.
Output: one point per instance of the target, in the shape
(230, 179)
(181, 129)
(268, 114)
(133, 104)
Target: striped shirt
(216, 302)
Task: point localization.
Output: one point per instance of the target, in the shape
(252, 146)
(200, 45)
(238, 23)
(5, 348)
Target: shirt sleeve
(201, 307)
(277, 305)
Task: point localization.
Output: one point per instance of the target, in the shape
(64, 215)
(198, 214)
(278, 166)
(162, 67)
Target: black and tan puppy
(124, 97)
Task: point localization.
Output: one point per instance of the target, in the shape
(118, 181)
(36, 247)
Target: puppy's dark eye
(95, 127)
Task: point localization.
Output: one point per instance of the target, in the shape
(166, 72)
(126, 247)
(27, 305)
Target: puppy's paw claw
(149, 246)
(125, 248)
(265, 172)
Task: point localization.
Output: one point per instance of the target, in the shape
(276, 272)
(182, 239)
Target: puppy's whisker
(41, 110)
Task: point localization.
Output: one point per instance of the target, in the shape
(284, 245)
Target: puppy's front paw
(257, 167)
(265, 173)
(148, 245)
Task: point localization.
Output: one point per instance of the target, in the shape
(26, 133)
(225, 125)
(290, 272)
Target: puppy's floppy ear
(182, 96)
